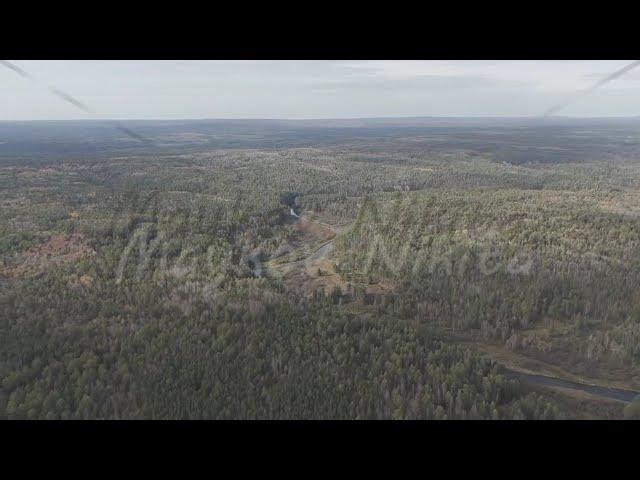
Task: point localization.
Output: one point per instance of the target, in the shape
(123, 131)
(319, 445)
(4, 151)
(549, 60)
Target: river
(619, 394)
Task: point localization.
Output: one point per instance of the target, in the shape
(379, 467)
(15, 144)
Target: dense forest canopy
(174, 281)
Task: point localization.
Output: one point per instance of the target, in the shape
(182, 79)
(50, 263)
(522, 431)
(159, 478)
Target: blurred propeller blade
(556, 108)
(76, 103)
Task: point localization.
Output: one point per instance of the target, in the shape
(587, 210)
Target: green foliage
(288, 198)
(173, 315)
(284, 360)
(502, 261)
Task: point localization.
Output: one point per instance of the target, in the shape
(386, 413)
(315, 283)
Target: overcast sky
(313, 89)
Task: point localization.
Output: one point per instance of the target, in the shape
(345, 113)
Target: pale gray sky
(313, 89)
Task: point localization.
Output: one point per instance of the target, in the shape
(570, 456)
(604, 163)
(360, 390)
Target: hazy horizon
(314, 90)
(316, 119)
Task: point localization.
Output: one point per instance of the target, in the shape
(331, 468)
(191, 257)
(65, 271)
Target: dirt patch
(310, 268)
(317, 275)
(312, 233)
(59, 249)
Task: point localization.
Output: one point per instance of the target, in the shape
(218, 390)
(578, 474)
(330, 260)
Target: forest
(311, 271)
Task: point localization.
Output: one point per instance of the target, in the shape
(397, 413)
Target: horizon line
(303, 119)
